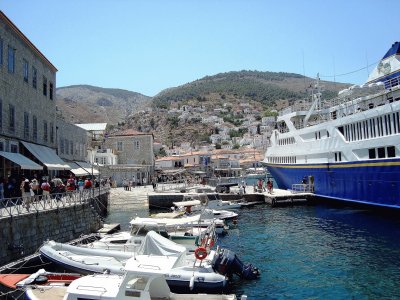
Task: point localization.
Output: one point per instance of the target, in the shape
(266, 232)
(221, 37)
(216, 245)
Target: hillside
(262, 91)
(265, 87)
(86, 104)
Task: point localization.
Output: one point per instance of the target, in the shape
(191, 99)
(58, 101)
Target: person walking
(45, 190)
(35, 188)
(2, 183)
(26, 194)
(81, 184)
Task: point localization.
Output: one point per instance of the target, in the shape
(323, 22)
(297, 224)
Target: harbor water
(308, 252)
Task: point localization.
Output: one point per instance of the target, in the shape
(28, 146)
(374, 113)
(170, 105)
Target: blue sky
(147, 46)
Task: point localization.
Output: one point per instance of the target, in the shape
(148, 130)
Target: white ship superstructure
(348, 146)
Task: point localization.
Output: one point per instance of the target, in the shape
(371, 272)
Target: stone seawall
(23, 235)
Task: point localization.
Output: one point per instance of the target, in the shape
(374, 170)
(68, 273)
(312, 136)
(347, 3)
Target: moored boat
(141, 286)
(345, 148)
(157, 255)
(15, 284)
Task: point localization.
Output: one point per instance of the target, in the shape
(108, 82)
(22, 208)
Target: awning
(88, 167)
(47, 156)
(77, 170)
(24, 162)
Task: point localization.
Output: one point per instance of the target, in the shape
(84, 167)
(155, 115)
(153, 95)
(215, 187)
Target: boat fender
(191, 283)
(200, 253)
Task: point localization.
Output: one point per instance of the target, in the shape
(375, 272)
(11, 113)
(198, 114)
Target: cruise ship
(346, 148)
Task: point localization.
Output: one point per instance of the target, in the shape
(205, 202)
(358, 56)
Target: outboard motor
(227, 263)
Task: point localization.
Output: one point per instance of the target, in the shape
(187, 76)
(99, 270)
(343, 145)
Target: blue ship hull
(374, 182)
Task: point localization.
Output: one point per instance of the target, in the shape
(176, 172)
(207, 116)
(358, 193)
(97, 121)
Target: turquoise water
(311, 252)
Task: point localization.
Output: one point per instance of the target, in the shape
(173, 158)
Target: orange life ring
(200, 253)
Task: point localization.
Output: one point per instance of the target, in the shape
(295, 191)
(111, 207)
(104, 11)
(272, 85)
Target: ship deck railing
(357, 93)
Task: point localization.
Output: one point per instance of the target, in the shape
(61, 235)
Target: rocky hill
(87, 104)
(262, 91)
(265, 87)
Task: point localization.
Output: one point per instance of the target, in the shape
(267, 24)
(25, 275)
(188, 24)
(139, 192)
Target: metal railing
(302, 188)
(11, 207)
(172, 185)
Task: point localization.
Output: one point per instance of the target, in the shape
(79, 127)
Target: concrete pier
(280, 197)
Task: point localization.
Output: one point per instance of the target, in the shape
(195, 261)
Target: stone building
(27, 107)
(72, 141)
(135, 156)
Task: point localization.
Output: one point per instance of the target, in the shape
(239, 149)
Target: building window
(34, 128)
(26, 125)
(26, 70)
(66, 146)
(61, 146)
(1, 115)
(14, 148)
(11, 60)
(137, 145)
(51, 90)
(1, 51)
(119, 146)
(34, 77)
(1, 146)
(44, 86)
(51, 132)
(45, 133)
(11, 117)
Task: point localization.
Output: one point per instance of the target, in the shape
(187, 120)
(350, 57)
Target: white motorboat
(193, 207)
(199, 201)
(87, 260)
(156, 253)
(130, 241)
(187, 221)
(140, 286)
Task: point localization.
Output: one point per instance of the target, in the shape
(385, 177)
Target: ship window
(386, 125)
(371, 105)
(391, 151)
(381, 152)
(341, 130)
(381, 126)
(390, 99)
(373, 127)
(335, 156)
(372, 153)
(334, 115)
(327, 133)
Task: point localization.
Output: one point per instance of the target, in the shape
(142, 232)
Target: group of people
(128, 184)
(263, 186)
(34, 189)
